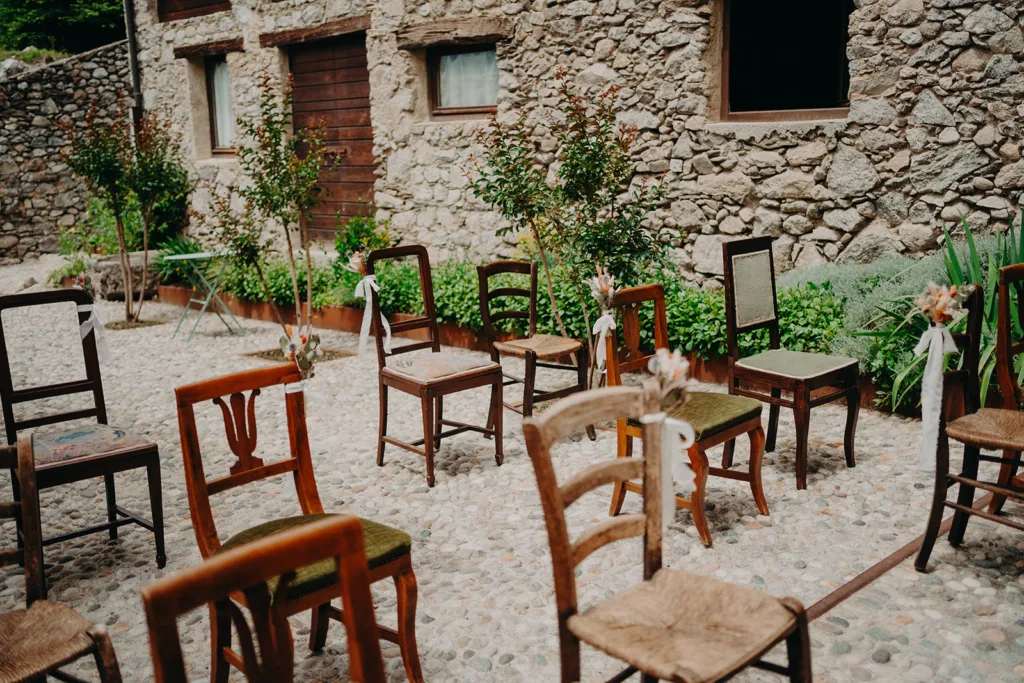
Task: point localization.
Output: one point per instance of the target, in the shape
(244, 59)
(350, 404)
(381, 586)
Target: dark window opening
(786, 55)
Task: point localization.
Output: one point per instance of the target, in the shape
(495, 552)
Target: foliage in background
(65, 25)
(73, 266)
(32, 55)
(361, 232)
(173, 272)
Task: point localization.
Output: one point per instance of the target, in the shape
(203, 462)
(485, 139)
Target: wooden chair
(673, 626)
(431, 375)
(313, 588)
(963, 420)
(750, 305)
(75, 453)
(265, 571)
(536, 350)
(37, 641)
(716, 418)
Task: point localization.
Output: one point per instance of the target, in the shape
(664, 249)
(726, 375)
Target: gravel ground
(486, 607)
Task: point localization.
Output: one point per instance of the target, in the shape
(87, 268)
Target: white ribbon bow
(676, 473)
(362, 291)
(95, 323)
(604, 325)
(937, 341)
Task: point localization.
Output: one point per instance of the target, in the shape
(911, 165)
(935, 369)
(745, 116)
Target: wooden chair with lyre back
(38, 641)
(388, 550)
(264, 571)
(964, 420)
(421, 369)
(716, 418)
(751, 305)
(673, 625)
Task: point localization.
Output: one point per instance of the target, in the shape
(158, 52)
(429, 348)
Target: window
(785, 59)
(172, 10)
(463, 80)
(218, 96)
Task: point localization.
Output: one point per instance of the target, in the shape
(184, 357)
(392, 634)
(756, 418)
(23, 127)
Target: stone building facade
(932, 130)
(39, 197)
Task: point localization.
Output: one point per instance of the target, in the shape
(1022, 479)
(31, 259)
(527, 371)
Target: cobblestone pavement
(486, 607)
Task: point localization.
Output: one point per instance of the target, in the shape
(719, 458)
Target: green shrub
(74, 265)
(172, 272)
(362, 232)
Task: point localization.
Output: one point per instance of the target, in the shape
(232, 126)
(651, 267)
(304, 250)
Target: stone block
(107, 279)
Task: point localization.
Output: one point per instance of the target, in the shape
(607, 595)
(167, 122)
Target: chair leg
(802, 417)
(19, 528)
(156, 503)
(699, 463)
(497, 408)
(427, 402)
(383, 400)
(727, 453)
(798, 644)
(220, 638)
(773, 423)
(108, 481)
(756, 453)
(1007, 471)
(965, 497)
(648, 678)
(625, 450)
(938, 503)
(106, 660)
(318, 623)
(438, 416)
(405, 587)
(582, 375)
(569, 653)
(530, 375)
(852, 413)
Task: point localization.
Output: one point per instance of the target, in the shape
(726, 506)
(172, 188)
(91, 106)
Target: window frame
(209, 63)
(768, 115)
(434, 55)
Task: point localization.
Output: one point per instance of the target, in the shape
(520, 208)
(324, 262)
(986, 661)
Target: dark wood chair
(673, 625)
(264, 572)
(716, 418)
(751, 304)
(977, 428)
(536, 350)
(37, 641)
(430, 374)
(75, 453)
(388, 550)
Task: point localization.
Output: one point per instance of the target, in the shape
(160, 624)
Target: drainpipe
(133, 59)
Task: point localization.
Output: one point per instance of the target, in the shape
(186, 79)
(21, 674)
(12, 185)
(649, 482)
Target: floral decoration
(671, 371)
(941, 304)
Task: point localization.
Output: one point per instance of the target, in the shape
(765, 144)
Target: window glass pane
(468, 79)
(225, 120)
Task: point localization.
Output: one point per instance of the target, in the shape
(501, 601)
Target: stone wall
(39, 197)
(932, 131)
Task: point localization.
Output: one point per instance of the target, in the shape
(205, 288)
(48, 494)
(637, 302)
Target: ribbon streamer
(604, 325)
(295, 387)
(362, 291)
(937, 341)
(676, 473)
(95, 323)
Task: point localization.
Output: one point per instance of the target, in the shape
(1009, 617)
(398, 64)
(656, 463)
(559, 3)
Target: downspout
(133, 59)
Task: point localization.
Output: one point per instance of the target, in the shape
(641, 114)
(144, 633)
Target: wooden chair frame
(961, 396)
(29, 554)
(78, 469)
(751, 382)
(531, 395)
(240, 425)
(431, 394)
(631, 359)
(246, 570)
(596, 407)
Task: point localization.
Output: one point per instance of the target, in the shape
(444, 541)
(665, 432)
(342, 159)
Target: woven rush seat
(86, 441)
(684, 627)
(433, 366)
(991, 428)
(43, 637)
(795, 364)
(546, 346)
(709, 412)
(383, 544)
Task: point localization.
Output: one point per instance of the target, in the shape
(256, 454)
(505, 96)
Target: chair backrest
(573, 414)
(487, 295)
(750, 301)
(247, 569)
(428, 321)
(1009, 341)
(240, 425)
(20, 460)
(631, 357)
(92, 382)
(969, 342)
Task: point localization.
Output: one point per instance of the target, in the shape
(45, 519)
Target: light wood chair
(536, 350)
(388, 549)
(673, 626)
(430, 374)
(963, 420)
(750, 305)
(75, 453)
(38, 641)
(716, 418)
(264, 571)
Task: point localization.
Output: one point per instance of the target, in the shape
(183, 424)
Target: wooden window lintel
(469, 31)
(215, 47)
(331, 29)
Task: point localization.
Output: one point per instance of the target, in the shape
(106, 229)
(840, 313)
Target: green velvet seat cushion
(795, 364)
(383, 544)
(710, 413)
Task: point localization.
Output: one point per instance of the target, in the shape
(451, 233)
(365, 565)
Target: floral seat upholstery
(546, 346)
(795, 364)
(429, 367)
(383, 544)
(72, 443)
(710, 413)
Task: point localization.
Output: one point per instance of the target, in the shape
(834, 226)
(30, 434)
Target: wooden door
(332, 82)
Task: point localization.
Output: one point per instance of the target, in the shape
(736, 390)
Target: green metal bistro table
(195, 268)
